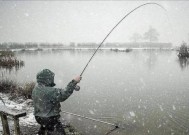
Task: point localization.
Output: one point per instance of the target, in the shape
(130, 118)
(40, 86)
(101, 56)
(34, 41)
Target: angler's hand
(78, 79)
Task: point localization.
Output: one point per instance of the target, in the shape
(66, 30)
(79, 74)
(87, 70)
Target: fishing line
(151, 3)
(96, 120)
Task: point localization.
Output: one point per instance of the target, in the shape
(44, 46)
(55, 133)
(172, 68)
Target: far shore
(84, 49)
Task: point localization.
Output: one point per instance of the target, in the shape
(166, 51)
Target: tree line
(151, 35)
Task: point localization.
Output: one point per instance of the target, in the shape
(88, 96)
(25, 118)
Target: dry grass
(7, 86)
(26, 91)
(15, 90)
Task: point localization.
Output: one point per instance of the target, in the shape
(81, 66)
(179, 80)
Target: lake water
(144, 92)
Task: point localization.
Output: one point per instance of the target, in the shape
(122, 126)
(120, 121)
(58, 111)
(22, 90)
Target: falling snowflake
(26, 14)
(91, 112)
(132, 114)
(161, 108)
(174, 108)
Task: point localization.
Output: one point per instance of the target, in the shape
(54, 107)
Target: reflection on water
(144, 92)
(184, 62)
(11, 69)
(151, 59)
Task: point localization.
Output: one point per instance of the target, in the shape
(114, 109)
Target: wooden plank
(4, 112)
(5, 124)
(11, 112)
(16, 126)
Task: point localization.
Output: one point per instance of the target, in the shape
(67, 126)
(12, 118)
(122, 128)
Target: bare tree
(151, 34)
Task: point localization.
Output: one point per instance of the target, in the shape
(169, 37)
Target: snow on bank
(22, 105)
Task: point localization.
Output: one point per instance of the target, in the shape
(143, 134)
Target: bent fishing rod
(77, 88)
(150, 3)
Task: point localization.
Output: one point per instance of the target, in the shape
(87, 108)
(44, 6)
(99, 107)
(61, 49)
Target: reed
(9, 60)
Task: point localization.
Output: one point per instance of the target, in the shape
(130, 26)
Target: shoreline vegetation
(16, 90)
(9, 60)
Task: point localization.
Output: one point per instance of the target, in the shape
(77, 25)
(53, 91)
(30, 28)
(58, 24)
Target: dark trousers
(49, 125)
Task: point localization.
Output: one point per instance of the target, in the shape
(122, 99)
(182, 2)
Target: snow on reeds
(9, 60)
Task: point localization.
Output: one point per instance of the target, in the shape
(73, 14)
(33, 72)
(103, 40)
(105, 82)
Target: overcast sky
(90, 21)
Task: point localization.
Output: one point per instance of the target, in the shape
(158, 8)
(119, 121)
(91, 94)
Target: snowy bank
(22, 105)
(28, 124)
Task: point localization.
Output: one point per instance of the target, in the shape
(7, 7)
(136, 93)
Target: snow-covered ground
(20, 104)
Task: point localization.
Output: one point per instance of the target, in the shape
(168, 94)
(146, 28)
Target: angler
(47, 100)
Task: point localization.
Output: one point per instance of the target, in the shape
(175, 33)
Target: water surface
(144, 92)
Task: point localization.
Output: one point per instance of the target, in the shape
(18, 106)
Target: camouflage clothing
(46, 98)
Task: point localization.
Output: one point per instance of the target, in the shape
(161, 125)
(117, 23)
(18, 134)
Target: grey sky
(90, 21)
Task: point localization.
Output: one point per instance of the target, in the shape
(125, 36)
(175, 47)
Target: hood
(46, 77)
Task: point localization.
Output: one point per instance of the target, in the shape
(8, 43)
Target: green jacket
(46, 98)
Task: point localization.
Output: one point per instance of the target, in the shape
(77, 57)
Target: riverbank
(19, 104)
(121, 49)
(28, 124)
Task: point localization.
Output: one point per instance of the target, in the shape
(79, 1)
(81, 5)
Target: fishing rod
(152, 3)
(77, 88)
